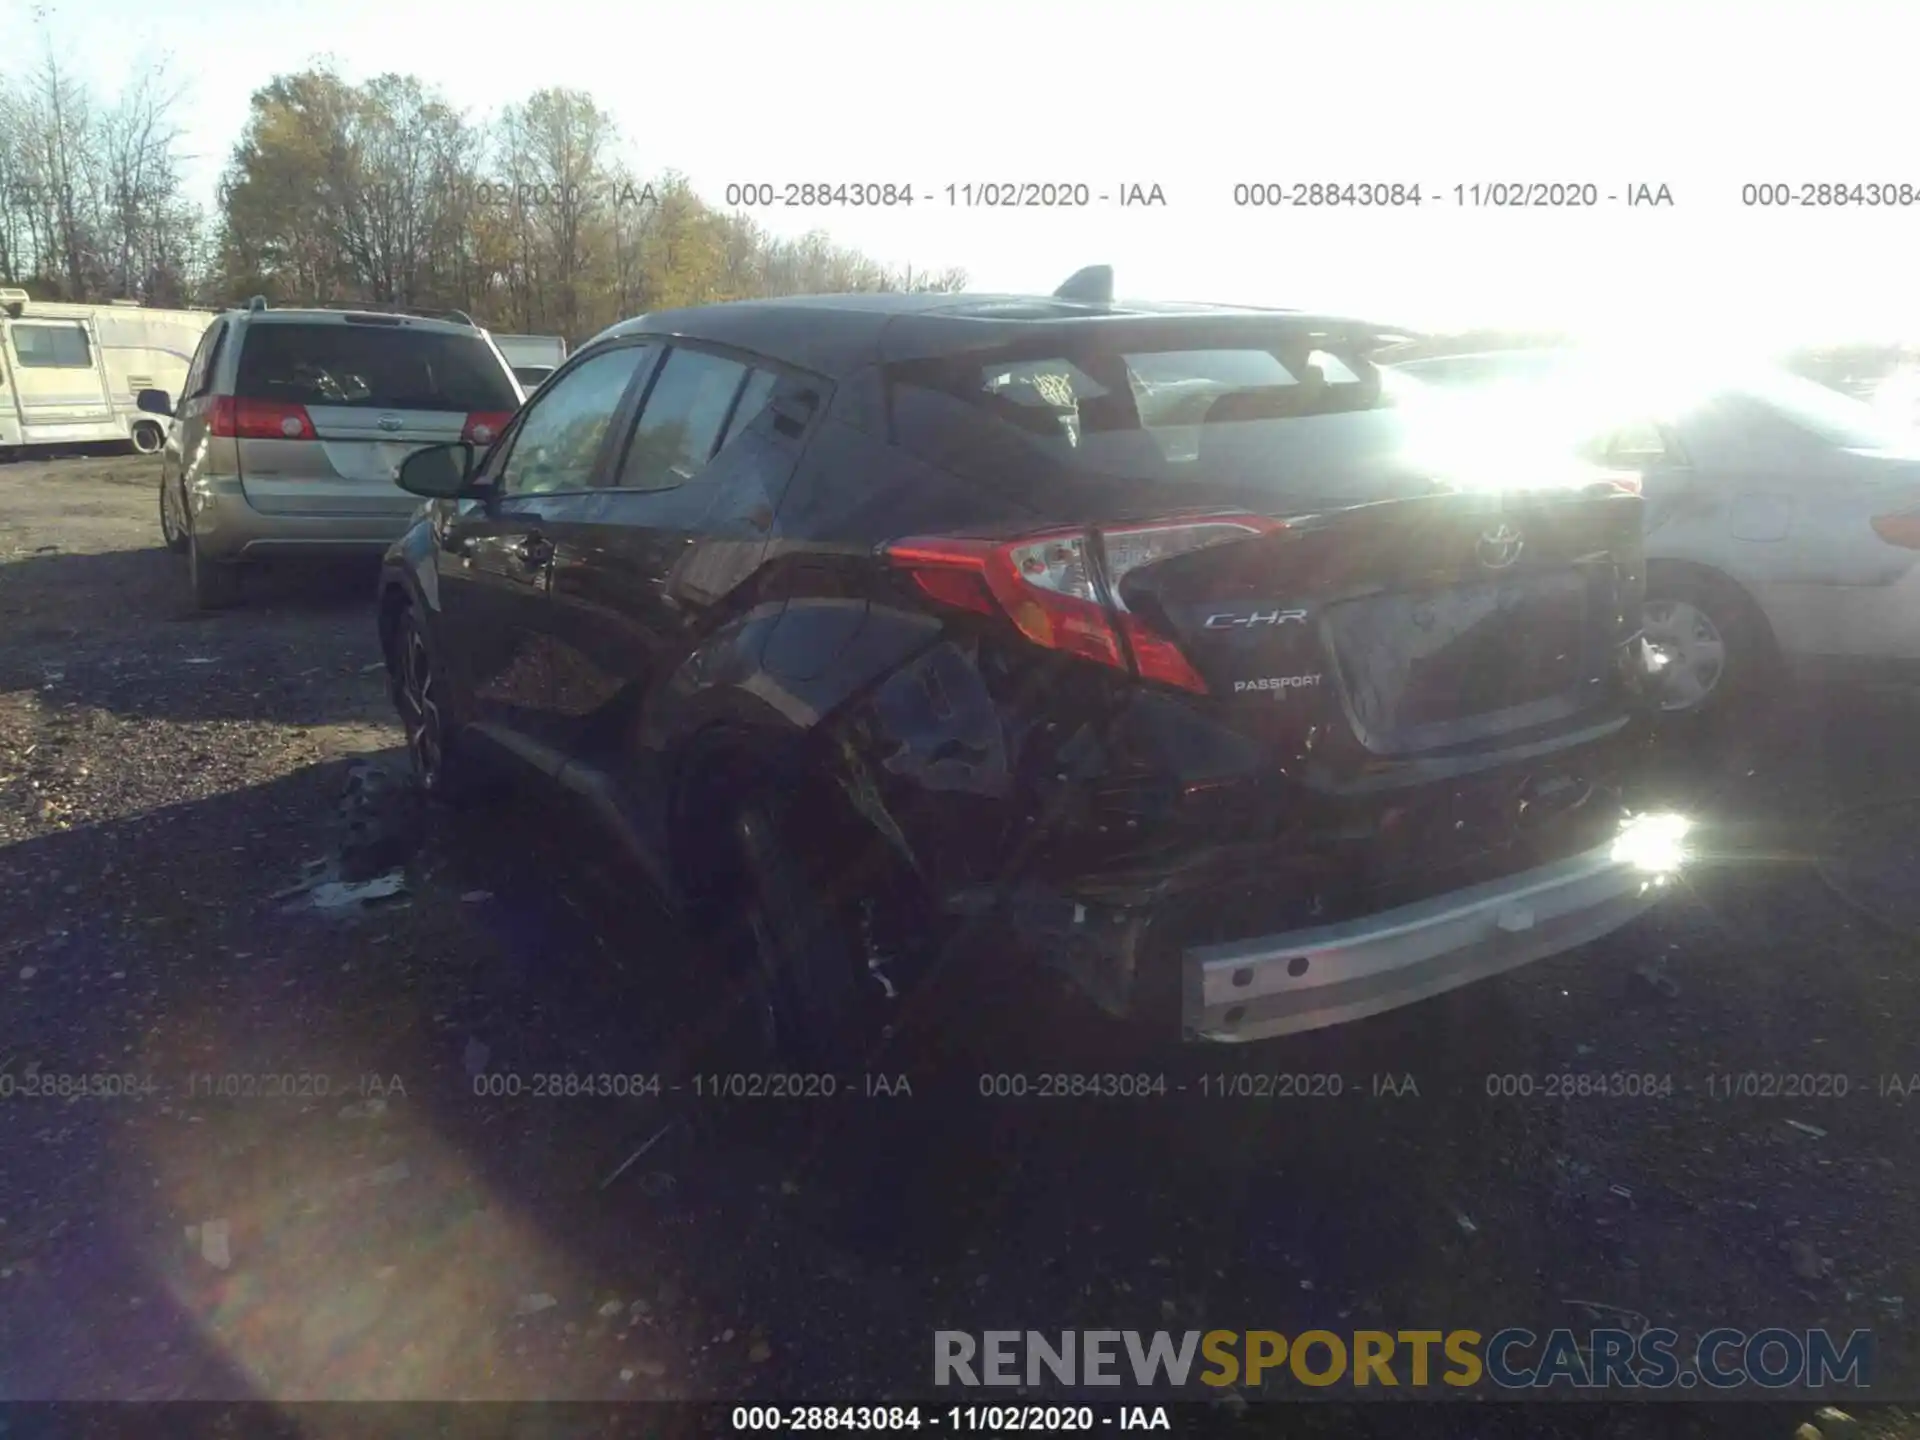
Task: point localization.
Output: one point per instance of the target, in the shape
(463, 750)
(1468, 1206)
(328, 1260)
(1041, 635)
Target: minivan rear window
(377, 367)
(1299, 418)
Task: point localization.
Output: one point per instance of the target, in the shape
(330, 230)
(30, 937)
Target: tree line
(532, 220)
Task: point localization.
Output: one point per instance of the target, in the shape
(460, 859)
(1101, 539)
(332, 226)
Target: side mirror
(440, 472)
(155, 402)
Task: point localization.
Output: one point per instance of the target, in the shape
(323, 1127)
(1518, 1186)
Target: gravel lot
(169, 782)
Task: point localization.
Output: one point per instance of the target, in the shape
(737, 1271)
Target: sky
(1197, 98)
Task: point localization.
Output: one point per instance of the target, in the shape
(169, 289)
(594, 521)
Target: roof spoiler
(1091, 286)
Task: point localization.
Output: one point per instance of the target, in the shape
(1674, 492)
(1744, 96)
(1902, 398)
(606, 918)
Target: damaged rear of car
(1242, 714)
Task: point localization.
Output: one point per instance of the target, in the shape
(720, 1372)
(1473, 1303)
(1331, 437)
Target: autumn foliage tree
(532, 221)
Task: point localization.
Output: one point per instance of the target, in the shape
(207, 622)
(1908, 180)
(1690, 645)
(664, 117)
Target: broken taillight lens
(1060, 588)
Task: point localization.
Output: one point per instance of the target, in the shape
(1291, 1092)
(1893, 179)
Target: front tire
(421, 693)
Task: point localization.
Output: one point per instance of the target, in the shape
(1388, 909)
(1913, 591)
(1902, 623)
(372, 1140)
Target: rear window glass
(1285, 418)
(373, 366)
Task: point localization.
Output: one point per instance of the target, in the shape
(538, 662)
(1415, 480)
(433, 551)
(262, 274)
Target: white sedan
(1783, 518)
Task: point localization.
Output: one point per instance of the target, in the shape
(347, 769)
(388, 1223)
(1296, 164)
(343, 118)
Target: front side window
(558, 438)
(52, 346)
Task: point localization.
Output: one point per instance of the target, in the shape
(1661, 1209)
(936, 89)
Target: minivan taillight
(1902, 529)
(484, 426)
(233, 419)
(1060, 593)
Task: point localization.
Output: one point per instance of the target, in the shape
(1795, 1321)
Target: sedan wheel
(1694, 649)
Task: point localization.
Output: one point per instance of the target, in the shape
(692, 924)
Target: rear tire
(148, 437)
(173, 517)
(215, 586)
(1715, 641)
(799, 951)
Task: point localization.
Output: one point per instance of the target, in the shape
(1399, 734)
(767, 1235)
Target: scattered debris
(1809, 1431)
(1895, 1306)
(759, 1352)
(386, 1175)
(1806, 1261)
(1835, 1423)
(343, 894)
(625, 1164)
(370, 1109)
(1622, 1191)
(652, 1369)
(1805, 1129)
(1465, 1222)
(1599, 1312)
(656, 1183)
(27, 972)
(1652, 978)
(475, 897)
(611, 1309)
(215, 1244)
(534, 1304)
(474, 1057)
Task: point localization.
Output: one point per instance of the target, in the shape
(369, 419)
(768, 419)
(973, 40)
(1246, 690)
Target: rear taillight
(1060, 593)
(1902, 529)
(233, 419)
(484, 426)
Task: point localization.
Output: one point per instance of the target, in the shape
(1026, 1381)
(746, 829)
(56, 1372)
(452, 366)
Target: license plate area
(1421, 662)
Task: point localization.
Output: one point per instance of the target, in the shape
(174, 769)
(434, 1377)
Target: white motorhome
(532, 357)
(69, 374)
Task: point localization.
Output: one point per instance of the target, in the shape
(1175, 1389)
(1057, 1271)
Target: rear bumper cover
(1308, 979)
(229, 528)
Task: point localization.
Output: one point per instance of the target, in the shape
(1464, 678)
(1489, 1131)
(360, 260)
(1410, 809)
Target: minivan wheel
(215, 586)
(148, 438)
(814, 999)
(1712, 644)
(173, 519)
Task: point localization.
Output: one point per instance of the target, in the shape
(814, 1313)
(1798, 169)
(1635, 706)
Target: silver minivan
(293, 423)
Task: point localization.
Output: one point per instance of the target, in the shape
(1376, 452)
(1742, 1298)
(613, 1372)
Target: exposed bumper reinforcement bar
(1309, 979)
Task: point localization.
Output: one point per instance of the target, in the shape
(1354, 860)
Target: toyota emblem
(389, 422)
(1500, 546)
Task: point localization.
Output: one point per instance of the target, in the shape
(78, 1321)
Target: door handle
(534, 550)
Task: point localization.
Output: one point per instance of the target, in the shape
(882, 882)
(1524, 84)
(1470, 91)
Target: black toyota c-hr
(864, 619)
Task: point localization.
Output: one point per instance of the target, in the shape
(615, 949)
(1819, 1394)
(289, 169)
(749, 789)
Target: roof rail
(259, 302)
(13, 302)
(376, 307)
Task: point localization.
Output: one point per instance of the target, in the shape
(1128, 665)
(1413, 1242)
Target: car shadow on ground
(415, 1242)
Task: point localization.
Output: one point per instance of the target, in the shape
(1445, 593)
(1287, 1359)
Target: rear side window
(372, 366)
(1266, 417)
(679, 431)
(52, 347)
